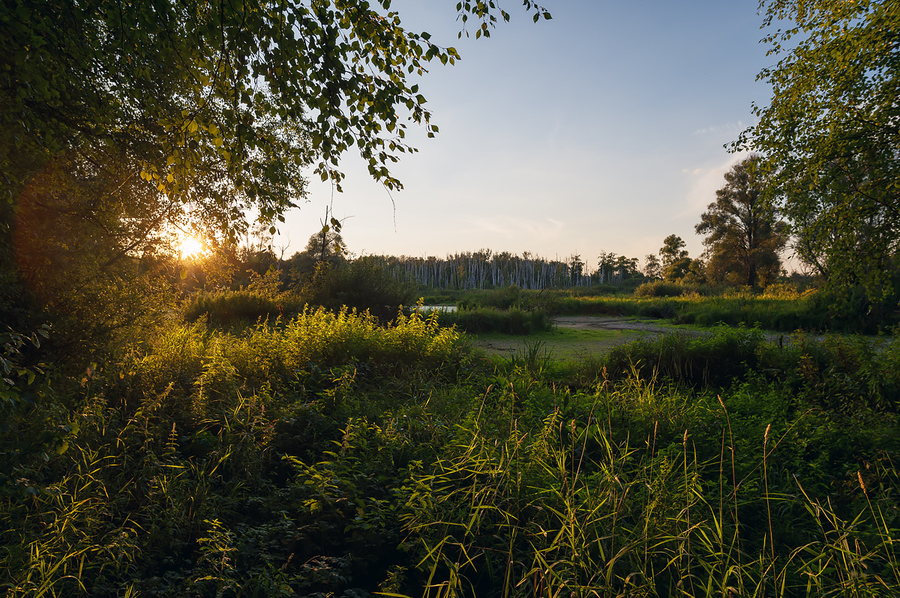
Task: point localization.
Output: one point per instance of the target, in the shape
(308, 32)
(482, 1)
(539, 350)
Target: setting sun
(191, 246)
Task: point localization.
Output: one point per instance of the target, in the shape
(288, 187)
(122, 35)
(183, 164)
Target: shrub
(362, 285)
(190, 356)
(659, 288)
(852, 310)
(710, 360)
(502, 298)
(511, 321)
(231, 307)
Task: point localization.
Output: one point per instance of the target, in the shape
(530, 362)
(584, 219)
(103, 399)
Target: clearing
(575, 337)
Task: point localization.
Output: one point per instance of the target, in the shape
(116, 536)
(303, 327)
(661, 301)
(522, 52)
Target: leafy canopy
(830, 134)
(124, 120)
(217, 105)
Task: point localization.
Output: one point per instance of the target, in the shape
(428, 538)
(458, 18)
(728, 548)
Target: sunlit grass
(779, 312)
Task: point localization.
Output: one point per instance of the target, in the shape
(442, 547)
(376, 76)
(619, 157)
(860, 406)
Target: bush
(227, 308)
(502, 298)
(362, 285)
(710, 360)
(662, 288)
(191, 356)
(852, 310)
(659, 288)
(511, 321)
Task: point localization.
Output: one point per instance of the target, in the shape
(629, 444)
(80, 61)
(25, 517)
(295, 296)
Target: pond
(445, 308)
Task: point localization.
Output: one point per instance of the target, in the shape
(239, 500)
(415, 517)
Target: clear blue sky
(602, 129)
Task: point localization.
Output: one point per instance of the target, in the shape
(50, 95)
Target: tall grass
(771, 313)
(330, 455)
(778, 308)
(238, 307)
(572, 508)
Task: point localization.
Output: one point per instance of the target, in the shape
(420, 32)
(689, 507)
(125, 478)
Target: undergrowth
(328, 455)
(513, 321)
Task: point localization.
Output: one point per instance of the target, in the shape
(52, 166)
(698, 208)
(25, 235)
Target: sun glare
(190, 247)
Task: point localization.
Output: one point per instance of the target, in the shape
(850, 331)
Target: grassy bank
(771, 313)
(779, 308)
(329, 455)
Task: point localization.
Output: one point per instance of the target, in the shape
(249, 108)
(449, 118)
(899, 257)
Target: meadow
(186, 413)
(328, 454)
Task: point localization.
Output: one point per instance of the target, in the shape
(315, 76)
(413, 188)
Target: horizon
(601, 130)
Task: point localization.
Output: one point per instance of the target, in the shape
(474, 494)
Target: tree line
(486, 269)
(744, 239)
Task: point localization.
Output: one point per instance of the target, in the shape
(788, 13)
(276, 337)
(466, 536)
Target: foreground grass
(332, 457)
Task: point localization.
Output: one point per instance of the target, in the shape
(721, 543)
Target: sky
(601, 130)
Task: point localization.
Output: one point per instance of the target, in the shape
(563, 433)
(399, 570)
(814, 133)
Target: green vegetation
(509, 321)
(780, 308)
(744, 235)
(330, 455)
(242, 425)
(361, 284)
(485, 269)
(829, 138)
(564, 347)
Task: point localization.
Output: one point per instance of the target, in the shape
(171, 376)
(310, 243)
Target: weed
(331, 454)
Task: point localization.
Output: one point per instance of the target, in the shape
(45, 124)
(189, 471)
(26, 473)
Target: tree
(606, 266)
(576, 269)
(254, 90)
(187, 114)
(744, 235)
(626, 267)
(652, 266)
(678, 269)
(830, 135)
(85, 251)
(676, 265)
(673, 250)
(216, 106)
